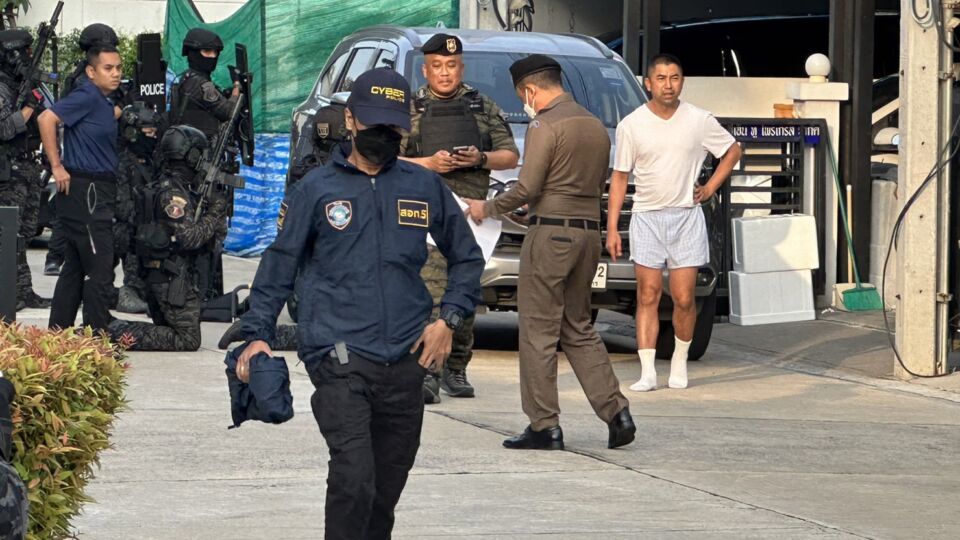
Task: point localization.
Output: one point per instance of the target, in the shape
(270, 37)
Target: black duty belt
(587, 224)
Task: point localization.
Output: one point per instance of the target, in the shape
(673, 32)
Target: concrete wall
(123, 15)
(751, 97)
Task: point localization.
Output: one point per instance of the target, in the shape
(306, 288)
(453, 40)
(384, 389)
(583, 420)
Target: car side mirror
(340, 97)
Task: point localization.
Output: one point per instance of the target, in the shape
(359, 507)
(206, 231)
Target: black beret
(535, 63)
(443, 44)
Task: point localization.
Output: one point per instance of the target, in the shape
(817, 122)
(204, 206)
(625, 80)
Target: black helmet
(97, 35)
(183, 143)
(136, 117)
(15, 40)
(198, 39)
(13, 48)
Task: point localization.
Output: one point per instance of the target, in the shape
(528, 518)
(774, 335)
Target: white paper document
(487, 233)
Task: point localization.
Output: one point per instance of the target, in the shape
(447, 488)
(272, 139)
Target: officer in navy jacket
(357, 227)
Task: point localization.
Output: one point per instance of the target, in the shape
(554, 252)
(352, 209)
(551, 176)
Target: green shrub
(70, 386)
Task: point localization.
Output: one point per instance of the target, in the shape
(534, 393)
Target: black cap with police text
(443, 44)
(535, 63)
(381, 96)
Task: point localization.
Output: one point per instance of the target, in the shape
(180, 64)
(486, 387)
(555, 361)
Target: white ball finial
(818, 68)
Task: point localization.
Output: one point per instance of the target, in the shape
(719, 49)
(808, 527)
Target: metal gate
(783, 171)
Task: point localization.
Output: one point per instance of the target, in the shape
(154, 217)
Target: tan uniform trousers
(557, 265)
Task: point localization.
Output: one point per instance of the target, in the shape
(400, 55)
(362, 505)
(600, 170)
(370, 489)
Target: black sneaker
(455, 383)
(431, 389)
(52, 268)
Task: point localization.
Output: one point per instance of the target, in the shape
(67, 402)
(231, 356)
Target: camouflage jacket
(472, 183)
(11, 121)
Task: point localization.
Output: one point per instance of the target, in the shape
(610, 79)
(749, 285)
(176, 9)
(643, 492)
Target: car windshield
(601, 85)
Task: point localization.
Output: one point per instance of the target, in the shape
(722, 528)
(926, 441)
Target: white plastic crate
(775, 244)
(771, 297)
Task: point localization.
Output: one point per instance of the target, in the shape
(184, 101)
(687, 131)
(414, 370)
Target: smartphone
(460, 149)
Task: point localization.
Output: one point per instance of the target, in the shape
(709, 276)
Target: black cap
(535, 63)
(443, 44)
(381, 97)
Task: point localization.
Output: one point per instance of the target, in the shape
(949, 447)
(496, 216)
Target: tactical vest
(186, 108)
(449, 123)
(29, 140)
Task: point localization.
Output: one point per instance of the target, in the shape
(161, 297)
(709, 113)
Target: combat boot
(128, 301)
(32, 300)
(431, 389)
(455, 383)
(232, 335)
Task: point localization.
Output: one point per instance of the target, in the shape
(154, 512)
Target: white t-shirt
(665, 156)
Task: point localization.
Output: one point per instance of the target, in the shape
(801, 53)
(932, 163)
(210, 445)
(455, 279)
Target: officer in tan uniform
(564, 170)
(460, 134)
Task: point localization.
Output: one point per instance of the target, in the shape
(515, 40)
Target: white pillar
(822, 100)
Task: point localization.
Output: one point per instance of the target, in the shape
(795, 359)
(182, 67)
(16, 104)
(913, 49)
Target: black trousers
(57, 243)
(86, 276)
(370, 415)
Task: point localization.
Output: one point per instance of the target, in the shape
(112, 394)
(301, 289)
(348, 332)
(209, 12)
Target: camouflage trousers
(434, 275)
(23, 190)
(174, 328)
(286, 338)
(13, 503)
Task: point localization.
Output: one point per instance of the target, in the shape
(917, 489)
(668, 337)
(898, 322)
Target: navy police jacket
(361, 241)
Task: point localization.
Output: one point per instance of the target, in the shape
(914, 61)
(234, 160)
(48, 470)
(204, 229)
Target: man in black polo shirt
(86, 190)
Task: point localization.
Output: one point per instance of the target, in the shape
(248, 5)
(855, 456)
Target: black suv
(597, 78)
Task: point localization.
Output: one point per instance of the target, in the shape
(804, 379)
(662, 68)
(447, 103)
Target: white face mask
(528, 105)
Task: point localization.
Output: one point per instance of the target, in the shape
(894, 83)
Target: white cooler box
(775, 243)
(771, 297)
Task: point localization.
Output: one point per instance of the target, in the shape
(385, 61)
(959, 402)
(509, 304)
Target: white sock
(648, 371)
(678, 364)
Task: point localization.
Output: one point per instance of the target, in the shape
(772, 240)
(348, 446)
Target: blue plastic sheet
(255, 208)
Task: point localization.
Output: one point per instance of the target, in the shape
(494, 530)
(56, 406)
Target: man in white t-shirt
(664, 143)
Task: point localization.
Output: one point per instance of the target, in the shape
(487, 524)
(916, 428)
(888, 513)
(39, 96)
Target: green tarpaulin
(288, 41)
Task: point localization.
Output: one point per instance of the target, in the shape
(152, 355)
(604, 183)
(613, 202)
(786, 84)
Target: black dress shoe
(548, 439)
(51, 268)
(622, 429)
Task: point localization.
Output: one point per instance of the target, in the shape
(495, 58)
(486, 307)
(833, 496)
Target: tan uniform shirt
(565, 164)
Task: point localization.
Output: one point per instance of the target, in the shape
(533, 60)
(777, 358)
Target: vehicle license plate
(600, 278)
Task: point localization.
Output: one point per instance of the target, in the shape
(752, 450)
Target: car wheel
(701, 331)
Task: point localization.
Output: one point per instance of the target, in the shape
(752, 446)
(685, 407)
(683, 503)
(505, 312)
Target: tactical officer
(168, 238)
(87, 190)
(140, 129)
(359, 226)
(196, 101)
(564, 171)
(19, 166)
(94, 35)
(459, 133)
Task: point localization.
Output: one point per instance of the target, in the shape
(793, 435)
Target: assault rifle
(32, 76)
(244, 133)
(213, 166)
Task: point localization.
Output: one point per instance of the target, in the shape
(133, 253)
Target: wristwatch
(483, 160)
(452, 318)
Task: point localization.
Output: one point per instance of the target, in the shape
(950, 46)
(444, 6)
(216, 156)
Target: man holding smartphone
(460, 134)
